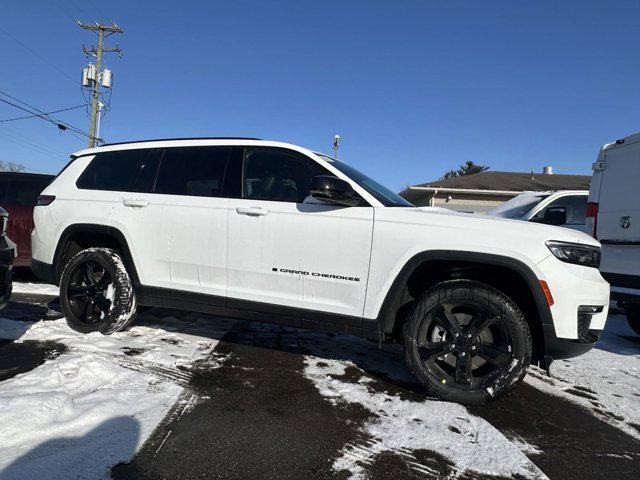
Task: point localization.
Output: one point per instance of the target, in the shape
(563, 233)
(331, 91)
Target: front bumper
(580, 309)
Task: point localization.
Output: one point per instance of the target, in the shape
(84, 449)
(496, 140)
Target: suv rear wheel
(467, 342)
(96, 294)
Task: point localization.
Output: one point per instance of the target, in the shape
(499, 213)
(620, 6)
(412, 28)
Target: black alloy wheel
(96, 292)
(467, 342)
(464, 344)
(88, 291)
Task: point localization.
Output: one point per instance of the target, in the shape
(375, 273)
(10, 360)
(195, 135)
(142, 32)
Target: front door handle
(252, 211)
(135, 202)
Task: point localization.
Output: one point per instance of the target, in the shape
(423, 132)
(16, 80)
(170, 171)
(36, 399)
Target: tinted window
(575, 206)
(277, 175)
(122, 171)
(196, 171)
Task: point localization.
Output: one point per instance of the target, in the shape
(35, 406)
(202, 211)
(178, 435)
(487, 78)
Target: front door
(283, 251)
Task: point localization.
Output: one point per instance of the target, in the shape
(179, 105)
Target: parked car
(614, 218)
(7, 253)
(18, 195)
(564, 208)
(273, 232)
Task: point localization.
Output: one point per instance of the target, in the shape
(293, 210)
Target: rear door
(618, 226)
(191, 245)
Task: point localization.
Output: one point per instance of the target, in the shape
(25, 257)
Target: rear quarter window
(122, 171)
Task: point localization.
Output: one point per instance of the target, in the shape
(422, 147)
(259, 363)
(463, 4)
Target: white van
(613, 214)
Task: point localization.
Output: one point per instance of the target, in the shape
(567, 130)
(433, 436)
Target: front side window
(121, 171)
(277, 175)
(193, 171)
(575, 207)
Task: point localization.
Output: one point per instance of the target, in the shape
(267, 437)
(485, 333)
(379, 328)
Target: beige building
(480, 192)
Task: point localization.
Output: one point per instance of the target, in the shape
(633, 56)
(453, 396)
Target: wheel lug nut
(473, 347)
(462, 354)
(453, 345)
(468, 335)
(456, 334)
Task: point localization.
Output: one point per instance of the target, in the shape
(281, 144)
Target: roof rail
(176, 139)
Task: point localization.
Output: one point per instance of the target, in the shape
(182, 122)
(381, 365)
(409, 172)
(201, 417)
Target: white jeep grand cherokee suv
(273, 232)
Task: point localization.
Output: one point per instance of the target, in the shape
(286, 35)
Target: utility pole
(98, 77)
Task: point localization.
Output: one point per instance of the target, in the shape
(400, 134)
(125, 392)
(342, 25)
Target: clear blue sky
(414, 87)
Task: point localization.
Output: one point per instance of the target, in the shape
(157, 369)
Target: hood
(472, 224)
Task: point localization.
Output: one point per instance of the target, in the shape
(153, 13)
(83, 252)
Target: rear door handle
(135, 202)
(252, 211)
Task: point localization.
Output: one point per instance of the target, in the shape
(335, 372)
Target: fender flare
(391, 303)
(112, 232)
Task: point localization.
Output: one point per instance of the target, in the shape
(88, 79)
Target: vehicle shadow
(384, 363)
(25, 310)
(87, 456)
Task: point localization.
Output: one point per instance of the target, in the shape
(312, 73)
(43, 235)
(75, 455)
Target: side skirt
(257, 311)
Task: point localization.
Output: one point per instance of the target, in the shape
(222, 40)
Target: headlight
(585, 255)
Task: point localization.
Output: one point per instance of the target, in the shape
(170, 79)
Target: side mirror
(334, 190)
(555, 216)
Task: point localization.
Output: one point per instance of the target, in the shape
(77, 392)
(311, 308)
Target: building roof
(513, 181)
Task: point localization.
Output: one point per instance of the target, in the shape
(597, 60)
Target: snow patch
(606, 380)
(35, 288)
(401, 426)
(95, 405)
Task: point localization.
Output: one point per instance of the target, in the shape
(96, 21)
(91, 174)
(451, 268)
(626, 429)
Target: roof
(173, 139)
(514, 181)
(184, 142)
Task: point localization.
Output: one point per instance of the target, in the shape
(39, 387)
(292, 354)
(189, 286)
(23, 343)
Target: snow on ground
(606, 380)
(401, 425)
(93, 407)
(402, 422)
(35, 288)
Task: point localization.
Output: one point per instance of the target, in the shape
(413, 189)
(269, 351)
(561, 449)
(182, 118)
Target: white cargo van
(613, 213)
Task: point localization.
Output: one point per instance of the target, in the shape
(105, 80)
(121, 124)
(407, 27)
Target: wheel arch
(427, 268)
(79, 236)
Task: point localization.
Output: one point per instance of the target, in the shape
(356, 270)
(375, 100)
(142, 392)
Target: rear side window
(277, 175)
(121, 171)
(193, 171)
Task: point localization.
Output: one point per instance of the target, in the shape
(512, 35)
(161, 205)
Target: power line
(47, 113)
(41, 114)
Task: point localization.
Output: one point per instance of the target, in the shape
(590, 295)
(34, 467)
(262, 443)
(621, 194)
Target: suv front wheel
(467, 342)
(96, 294)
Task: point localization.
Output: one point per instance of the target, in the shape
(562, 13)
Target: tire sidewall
(123, 306)
(508, 313)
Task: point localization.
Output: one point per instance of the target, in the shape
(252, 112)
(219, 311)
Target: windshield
(518, 206)
(379, 192)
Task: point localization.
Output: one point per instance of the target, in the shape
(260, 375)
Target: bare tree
(11, 167)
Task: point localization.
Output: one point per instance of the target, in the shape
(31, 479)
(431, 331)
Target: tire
(96, 294)
(632, 312)
(467, 342)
